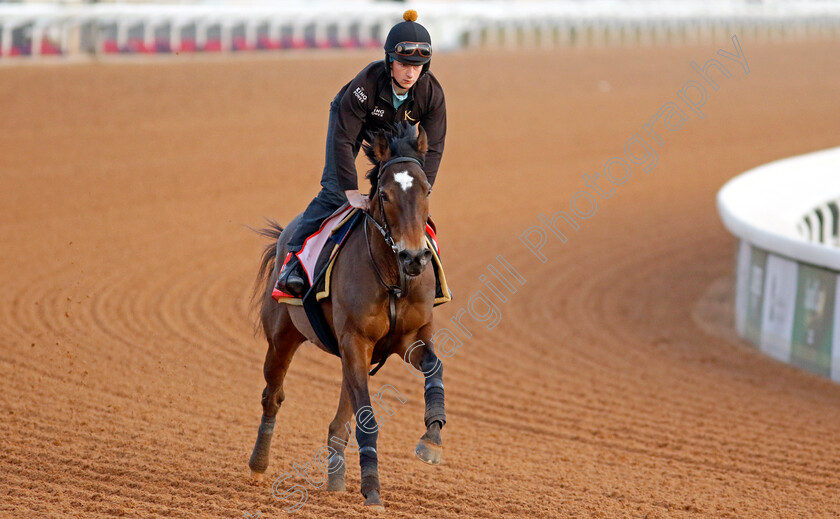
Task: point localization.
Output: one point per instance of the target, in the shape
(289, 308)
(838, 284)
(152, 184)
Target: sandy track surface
(131, 379)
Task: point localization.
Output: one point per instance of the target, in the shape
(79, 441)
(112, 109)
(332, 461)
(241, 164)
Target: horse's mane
(402, 141)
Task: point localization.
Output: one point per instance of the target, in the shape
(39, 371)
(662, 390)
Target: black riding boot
(291, 279)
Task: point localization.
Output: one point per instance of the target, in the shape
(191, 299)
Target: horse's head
(400, 193)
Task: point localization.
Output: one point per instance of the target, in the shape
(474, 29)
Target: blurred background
(77, 28)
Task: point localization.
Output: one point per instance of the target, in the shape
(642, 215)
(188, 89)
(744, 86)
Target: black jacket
(365, 105)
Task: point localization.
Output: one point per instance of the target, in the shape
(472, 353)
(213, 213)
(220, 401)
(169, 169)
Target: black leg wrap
(435, 410)
(434, 390)
(259, 458)
(370, 469)
(366, 440)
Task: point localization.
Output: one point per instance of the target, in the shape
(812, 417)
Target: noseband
(394, 291)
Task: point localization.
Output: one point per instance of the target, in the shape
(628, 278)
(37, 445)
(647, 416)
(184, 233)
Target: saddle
(318, 257)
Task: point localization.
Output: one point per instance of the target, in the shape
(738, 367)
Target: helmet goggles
(411, 48)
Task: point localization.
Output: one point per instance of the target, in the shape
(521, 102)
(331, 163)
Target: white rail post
(122, 33)
(226, 37)
(320, 32)
(64, 29)
(275, 32)
(251, 33)
(201, 28)
(37, 39)
(175, 28)
(148, 25)
(6, 39)
(298, 32)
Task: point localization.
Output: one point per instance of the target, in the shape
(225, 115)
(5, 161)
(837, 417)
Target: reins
(394, 291)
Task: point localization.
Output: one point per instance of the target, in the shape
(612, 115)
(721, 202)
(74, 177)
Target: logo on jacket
(360, 94)
(408, 116)
(379, 112)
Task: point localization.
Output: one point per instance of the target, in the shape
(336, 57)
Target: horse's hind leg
(283, 342)
(337, 439)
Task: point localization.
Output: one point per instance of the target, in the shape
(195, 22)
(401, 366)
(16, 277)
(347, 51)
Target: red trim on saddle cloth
(278, 294)
(430, 230)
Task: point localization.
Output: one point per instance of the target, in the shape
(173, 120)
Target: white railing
(787, 293)
(33, 30)
(765, 205)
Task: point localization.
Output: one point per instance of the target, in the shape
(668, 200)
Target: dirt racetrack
(611, 387)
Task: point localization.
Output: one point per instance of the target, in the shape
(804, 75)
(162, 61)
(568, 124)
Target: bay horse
(386, 248)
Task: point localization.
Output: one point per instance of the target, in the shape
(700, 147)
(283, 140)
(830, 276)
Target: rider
(398, 88)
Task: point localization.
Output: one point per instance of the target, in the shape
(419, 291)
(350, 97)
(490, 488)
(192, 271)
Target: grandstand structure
(32, 30)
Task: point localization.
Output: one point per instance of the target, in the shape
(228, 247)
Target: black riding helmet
(409, 42)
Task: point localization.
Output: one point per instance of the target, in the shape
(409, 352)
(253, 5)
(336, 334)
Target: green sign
(812, 323)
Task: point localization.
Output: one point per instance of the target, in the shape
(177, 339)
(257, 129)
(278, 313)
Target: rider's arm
(350, 119)
(435, 125)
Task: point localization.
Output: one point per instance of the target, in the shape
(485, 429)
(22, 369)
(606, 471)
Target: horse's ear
(381, 150)
(422, 140)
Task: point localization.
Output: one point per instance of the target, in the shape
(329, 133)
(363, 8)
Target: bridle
(394, 291)
(385, 230)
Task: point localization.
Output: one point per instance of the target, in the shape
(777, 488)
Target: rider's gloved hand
(357, 199)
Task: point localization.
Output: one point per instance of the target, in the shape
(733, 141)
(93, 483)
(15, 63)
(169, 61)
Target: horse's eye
(429, 192)
(384, 197)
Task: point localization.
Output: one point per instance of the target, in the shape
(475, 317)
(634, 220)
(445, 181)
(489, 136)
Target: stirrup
(290, 282)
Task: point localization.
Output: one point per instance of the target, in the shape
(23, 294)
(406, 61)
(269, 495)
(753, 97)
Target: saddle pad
(330, 237)
(314, 244)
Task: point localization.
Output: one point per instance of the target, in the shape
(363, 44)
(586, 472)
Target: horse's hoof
(336, 485)
(373, 503)
(257, 476)
(429, 452)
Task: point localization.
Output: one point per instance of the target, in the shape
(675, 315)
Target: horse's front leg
(422, 357)
(356, 355)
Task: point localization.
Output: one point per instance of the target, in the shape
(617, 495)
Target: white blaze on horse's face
(408, 209)
(405, 180)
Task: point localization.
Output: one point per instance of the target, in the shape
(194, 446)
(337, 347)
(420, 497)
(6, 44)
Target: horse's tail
(267, 260)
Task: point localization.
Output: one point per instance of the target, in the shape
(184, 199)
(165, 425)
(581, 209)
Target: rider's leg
(331, 197)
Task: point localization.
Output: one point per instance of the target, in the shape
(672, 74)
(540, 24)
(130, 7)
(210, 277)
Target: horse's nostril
(404, 255)
(427, 255)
